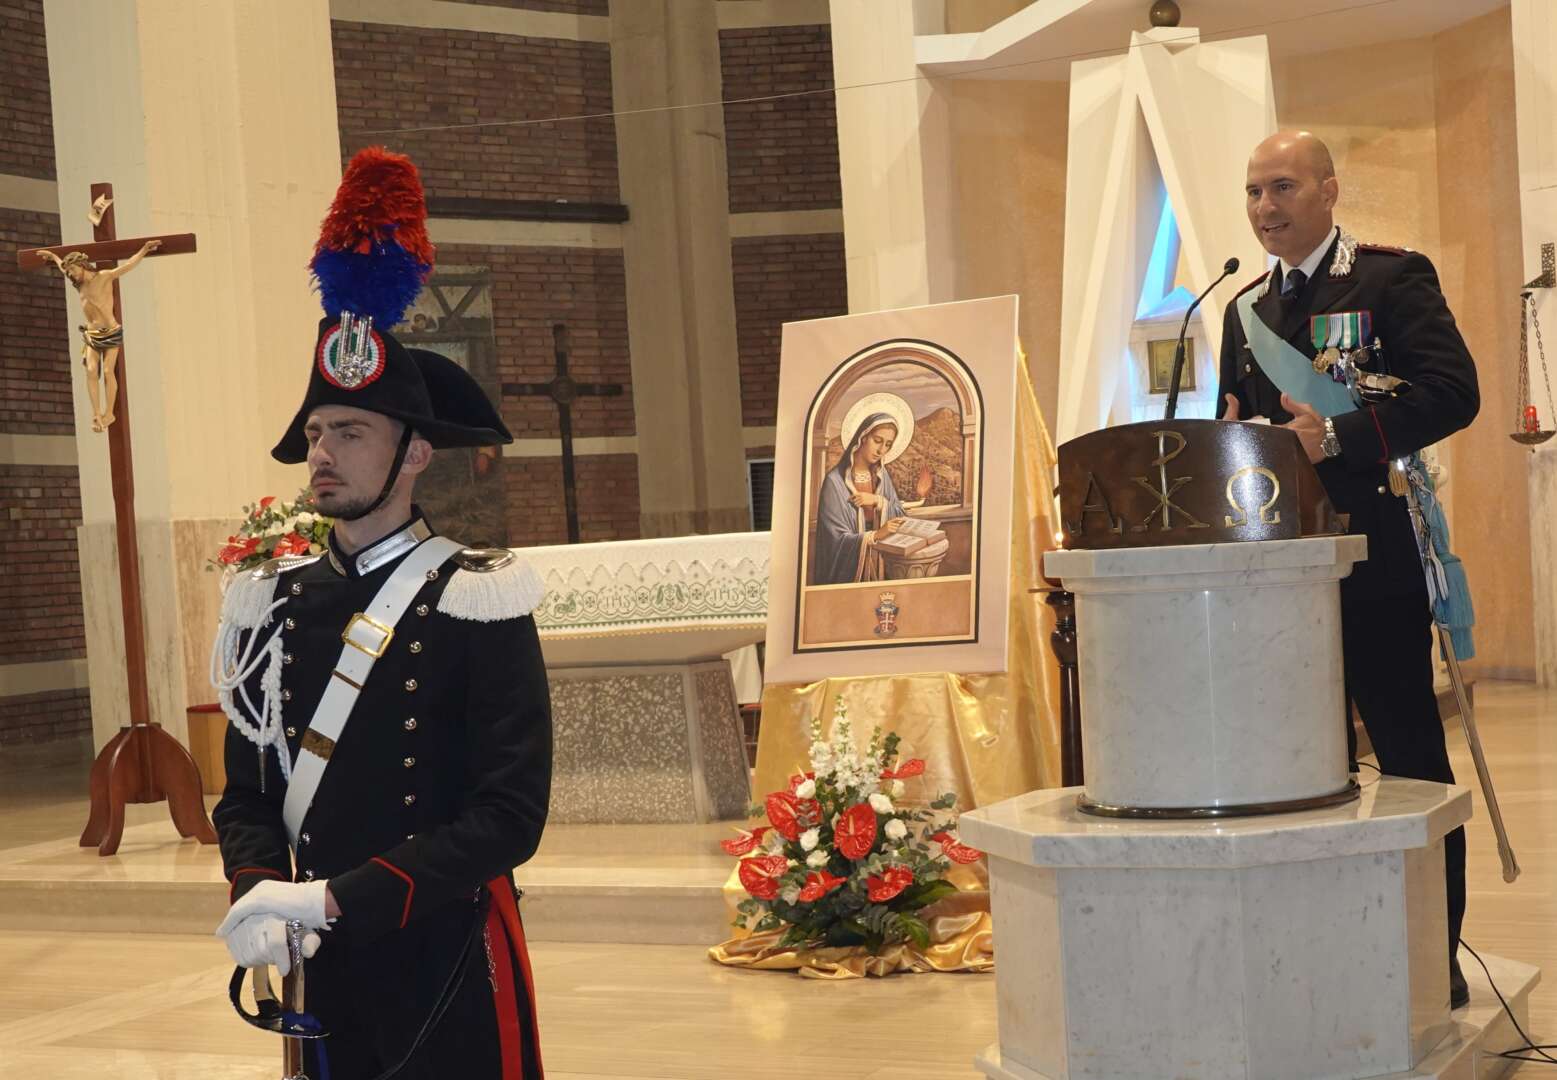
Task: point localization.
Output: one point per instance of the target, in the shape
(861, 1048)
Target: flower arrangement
(840, 862)
(271, 529)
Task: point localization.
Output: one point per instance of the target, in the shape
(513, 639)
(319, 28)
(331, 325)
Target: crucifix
(564, 390)
(143, 763)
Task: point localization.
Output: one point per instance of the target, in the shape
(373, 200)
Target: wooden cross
(143, 763)
(564, 390)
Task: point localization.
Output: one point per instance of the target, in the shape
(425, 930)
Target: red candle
(1532, 421)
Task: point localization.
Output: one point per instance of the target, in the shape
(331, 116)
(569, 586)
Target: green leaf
(915, 929)
(927, 892)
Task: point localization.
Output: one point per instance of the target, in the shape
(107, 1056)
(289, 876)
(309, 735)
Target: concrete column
(1535, 100)
(216, 119)
(676, 246)
(894, 157)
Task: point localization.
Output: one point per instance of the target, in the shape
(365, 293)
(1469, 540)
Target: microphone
(1229, 267)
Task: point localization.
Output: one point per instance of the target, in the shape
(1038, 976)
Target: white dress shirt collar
(1310, 264)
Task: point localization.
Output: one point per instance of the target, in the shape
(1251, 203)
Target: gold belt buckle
(362, 618)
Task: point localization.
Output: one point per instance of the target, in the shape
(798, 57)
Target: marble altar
(645, 716)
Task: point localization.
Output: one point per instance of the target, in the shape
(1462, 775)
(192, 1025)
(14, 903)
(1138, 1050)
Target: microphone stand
(1229, 267)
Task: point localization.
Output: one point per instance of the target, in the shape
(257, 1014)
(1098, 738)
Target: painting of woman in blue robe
(857, 506)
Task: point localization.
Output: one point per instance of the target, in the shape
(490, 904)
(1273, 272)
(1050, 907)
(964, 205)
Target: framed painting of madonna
(891, 509)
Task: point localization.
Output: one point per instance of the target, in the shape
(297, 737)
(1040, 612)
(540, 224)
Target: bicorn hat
(371, 260)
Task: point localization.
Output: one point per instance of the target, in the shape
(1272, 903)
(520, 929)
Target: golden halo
(893, 406)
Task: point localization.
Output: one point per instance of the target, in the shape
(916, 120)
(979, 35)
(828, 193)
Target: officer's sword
(1457, 679)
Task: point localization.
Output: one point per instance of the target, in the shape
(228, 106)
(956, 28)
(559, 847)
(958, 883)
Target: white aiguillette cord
(366, 638)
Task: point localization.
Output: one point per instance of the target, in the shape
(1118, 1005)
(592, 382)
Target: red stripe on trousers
(507, 911)
(509, 1037)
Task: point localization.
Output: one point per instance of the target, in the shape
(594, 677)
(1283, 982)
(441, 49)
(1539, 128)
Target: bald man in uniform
(1390, 296)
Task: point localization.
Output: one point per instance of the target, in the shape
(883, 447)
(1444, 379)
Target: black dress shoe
(1459, 990)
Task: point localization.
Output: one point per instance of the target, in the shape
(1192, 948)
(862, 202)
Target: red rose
(888, 884)
(744, 843)
(819, 884)
(759, 875)
(955, 851)
(856, 831)
(915, 767)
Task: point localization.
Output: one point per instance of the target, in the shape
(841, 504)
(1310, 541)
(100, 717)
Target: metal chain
(1523, 397)
(1540, 348)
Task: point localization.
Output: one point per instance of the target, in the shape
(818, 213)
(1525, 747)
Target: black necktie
(1294, 282)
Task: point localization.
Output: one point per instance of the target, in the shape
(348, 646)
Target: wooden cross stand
(564, 390)
(143, 763)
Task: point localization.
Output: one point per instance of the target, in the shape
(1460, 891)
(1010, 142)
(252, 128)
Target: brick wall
(780, 279)
(40, 592)
(27, 143)
(783, 154)
(607, 487)
(59, 716)
(390, 77)
(586, 290)
(36, 357)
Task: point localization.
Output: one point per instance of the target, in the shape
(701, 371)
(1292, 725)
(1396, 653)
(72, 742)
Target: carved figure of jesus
(102, 335)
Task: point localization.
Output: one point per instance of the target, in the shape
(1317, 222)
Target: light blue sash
(1291, 371)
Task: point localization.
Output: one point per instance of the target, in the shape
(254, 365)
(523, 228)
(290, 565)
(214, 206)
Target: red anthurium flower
(889, 883)
(266, 501)
(856, 831)
(914, 767)
(819, 884)
(808, 812)
(291, 544)
(745, 842)
(238, 550)
(799, 778)
(954, 850)
(784, 812)
(759, 875)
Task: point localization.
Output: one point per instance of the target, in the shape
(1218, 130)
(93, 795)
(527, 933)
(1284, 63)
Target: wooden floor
(128, 1007)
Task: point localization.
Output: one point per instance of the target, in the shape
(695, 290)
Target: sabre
(287, 1017)
(1457, 679)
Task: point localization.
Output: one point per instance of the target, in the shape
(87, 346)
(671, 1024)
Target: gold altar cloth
(987, 737)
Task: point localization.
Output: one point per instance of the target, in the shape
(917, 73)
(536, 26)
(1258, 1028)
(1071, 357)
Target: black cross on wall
(564, 390)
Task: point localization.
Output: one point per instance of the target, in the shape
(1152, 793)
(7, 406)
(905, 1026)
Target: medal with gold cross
(1336, 333)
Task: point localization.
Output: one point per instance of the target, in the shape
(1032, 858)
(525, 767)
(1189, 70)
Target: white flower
(897, 789)
(305, 520)
(880, 803)
(790, 894)
(772, 841)
(817, 859)
(809, 839)
(806, 790)
(896, 830)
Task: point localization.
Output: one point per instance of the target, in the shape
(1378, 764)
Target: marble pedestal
(1211, 673)
(647, 743)
(1308, 945)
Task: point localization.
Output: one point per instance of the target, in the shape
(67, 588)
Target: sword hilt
(292, 1001)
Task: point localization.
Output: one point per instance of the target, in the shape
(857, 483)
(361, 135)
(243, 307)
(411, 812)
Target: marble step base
(630, 884)
(1481, 1031)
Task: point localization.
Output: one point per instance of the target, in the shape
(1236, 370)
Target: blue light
(1158, 298)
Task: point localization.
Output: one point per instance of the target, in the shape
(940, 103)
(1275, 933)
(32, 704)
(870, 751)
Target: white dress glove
(287, 900)
(261, 940)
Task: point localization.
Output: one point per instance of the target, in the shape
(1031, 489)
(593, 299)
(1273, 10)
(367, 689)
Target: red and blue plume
(373, 252)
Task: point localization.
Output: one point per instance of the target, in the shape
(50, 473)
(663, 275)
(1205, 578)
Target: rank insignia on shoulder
(490, 584)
